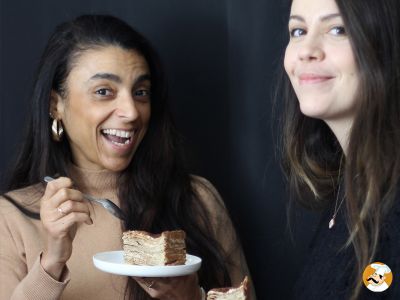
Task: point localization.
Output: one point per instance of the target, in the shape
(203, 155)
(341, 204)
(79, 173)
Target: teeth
(121, 144)
(119, 133)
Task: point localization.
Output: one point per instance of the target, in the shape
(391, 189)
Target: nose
(311, 49)
(126, 108)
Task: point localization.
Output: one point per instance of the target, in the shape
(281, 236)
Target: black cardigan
(329, 270)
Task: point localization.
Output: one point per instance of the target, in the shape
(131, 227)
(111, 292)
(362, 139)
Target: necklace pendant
(331, 223)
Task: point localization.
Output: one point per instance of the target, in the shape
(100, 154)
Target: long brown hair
(371, 168)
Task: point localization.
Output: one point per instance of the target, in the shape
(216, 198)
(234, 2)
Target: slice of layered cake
(230, 293)
(144, 248)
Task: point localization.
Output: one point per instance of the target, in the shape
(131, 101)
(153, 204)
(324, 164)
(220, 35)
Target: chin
(313, 110)
(117, 166)
(312, 114)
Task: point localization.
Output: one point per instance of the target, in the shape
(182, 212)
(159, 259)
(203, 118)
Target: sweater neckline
(100, 183)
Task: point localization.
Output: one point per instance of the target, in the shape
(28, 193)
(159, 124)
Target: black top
(329, 271)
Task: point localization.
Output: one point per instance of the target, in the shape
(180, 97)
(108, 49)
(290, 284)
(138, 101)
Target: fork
(110, 206)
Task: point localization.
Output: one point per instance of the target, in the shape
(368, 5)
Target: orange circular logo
(377, 277)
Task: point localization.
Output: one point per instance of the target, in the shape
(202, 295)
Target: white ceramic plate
(113, 262)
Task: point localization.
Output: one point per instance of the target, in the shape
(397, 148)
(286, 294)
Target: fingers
(61, 190)
(145, 282)
(170, 287)
(70, 212)
(72, 206)
(69, 220)
(150, 285)
(66, 194)
(55, 185)
(61, 202)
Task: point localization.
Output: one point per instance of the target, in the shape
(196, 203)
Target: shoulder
(27, 197)
(390, 237)
(20, 228)
(211, 201)
(206, 191)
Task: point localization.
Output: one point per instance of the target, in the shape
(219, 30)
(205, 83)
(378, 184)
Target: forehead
(110, 59)
(313, 8)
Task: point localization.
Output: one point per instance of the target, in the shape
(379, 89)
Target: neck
(99, 183)
(341, 129)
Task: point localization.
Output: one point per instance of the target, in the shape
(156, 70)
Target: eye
(297, 32)
(104, 92)
(142, 94)
(338, 30)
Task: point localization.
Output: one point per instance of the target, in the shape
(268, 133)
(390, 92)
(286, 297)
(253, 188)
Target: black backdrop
(220, 57)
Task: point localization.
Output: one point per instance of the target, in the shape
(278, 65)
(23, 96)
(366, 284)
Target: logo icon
(377, 277)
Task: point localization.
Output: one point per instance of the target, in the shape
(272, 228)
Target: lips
(311, 78)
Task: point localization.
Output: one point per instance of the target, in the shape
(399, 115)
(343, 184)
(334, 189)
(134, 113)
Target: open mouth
(118, 137)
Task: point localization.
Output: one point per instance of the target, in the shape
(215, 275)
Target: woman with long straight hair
(341, 93)
(99, 124)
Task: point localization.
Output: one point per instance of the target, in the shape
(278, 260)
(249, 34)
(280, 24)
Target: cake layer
(230, 293)
(143, 248)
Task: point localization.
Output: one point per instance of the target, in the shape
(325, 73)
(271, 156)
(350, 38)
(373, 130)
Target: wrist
(51, 267)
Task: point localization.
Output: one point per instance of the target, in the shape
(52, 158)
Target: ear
(56, 105)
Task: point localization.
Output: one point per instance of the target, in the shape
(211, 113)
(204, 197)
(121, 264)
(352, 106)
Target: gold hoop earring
(57, 130)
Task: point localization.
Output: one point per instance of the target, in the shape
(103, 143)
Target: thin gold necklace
(337, 208)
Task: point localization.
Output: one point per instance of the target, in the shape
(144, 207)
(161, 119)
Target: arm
(25, 271)
(17, 279)
(224, 232)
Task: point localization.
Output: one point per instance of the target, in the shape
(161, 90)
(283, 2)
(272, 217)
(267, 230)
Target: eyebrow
(117, 79)
(322, 19)
(107, 76)
(144, 77)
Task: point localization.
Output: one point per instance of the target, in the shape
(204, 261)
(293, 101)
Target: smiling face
(320, 63)
(106, 110)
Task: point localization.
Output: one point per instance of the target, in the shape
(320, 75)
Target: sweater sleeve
(17, 279)
(225, 233)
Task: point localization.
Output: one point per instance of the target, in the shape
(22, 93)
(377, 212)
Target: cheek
(351, 85)
(288, 62)
(146, 114)
(350, 66)
(345, 59)
(85, 122)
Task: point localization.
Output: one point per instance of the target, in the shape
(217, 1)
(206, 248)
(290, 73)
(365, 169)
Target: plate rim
(144, 271)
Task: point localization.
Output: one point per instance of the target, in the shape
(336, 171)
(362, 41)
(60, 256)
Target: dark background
(221, 57)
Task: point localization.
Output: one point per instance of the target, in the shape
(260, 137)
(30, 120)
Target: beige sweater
(21, 243)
